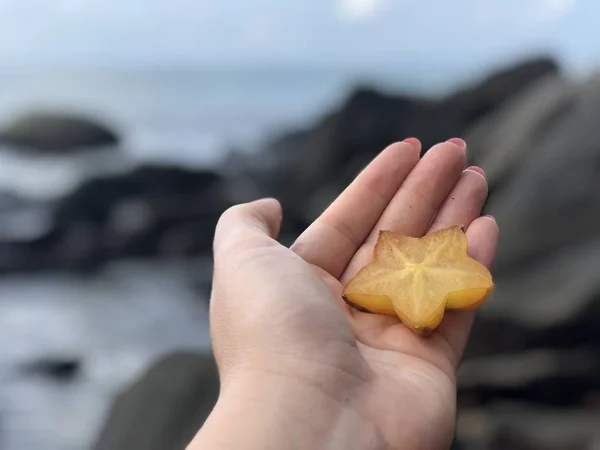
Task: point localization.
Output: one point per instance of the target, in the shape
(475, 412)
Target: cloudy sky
(354, 33)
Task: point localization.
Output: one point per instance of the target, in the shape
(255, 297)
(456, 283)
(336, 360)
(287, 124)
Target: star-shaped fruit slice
(417, 279)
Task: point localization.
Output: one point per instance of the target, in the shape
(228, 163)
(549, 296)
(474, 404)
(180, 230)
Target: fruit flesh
(417, 279)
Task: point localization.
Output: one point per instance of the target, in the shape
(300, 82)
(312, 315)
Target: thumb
(247, 225)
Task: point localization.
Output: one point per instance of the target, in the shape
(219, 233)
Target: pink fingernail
(488, 216)
(412, 140)
(458, 141)
(477, 169)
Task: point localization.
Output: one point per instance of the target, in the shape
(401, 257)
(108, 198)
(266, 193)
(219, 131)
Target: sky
(348, 33)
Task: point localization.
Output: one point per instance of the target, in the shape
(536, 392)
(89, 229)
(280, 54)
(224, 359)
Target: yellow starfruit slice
(417, 279)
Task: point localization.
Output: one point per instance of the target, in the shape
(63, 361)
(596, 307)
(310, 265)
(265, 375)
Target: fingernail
(487, 216)
(458, 141)
(412, 140)
(477, 169)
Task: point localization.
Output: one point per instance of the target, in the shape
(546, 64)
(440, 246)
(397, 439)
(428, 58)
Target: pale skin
(302, 370)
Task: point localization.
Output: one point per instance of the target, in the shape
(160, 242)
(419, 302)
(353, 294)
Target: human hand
(299, 367)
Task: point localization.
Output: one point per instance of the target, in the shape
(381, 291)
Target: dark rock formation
(56, 368)
(160, 211)
(542, 161)
(57, 133)
(536, 341)
(151, 212)
(165, 409)
(521, 426)
(314, 165)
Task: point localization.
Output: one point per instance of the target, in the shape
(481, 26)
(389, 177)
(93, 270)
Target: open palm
(405, 384)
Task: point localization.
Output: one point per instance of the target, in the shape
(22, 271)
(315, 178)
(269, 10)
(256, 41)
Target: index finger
(333, 239)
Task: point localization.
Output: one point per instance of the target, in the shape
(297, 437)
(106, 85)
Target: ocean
(183, 116)
(115, 324)
(192, 118)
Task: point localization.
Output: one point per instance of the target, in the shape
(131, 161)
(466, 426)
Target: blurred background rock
(127, 127)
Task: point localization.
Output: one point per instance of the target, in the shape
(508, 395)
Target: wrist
(270, 411)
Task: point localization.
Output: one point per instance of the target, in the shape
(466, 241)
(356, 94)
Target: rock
(552, 377)
(58, 368)
(521, 426)
(57, 133)
(508, 135)
(150, 212)
(166, 408)
(536, 340)
(23, 219)
(561, 199)
(327, 157)
(548, 204)
(499, 88)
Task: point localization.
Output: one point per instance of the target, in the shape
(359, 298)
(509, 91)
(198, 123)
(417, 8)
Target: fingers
(415, 204)
(482, 235)
(332, 240)
(246, 225)
(465, 201)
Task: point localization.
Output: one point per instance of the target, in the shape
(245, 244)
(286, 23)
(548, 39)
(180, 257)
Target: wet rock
(150, 212)
(504, 138)
(166, 408)
(59, 369)
(536, 340)
(547, 206)
(57, 133)
(326, 157)
(562, 378)
(526, 427)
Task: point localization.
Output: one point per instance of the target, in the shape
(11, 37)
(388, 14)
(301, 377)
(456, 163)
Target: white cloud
(355, 10)
(560, 7)
(551, 11)
(510, 19)
(72, 6)
(540, 17)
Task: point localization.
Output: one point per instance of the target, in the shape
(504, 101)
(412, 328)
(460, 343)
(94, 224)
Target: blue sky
(455, 34)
